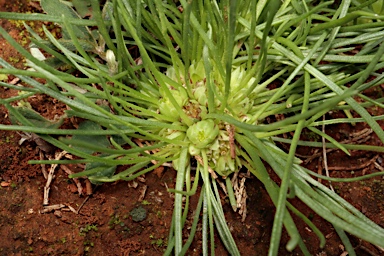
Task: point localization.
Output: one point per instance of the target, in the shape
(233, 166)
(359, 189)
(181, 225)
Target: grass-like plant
(191, 81)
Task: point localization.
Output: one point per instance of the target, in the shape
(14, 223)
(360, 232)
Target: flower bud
(111, 62)
(197, 72)
(202, 133)
(179, 135)
(180, 94)
(167, 109)
(225, 165)
(200, 94)
(193, 151)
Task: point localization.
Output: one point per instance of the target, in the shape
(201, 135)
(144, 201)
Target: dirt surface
(133, 218)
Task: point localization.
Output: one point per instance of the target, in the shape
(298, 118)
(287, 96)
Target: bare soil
(105, 223)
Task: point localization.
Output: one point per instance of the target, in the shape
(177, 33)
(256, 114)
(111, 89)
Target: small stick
(356, 167)
(243, 204)
(223, 187)
(51, 177)
(72, 209)
(379, 167)
(241, 192)
(368, 250)
(319, 168)
(82, 204)
(50, 208)
(43, 170)
(85, 200)
(76, 180)
(138, 142)
(361, 136)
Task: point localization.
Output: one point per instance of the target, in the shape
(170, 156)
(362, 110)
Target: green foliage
(86, 229)
(145, 202)
(62, 9)
(159, 242)
(208, 78)
(99, 140)
(113, 221)
(35, 118)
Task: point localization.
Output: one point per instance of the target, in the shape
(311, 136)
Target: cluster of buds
(208, 134)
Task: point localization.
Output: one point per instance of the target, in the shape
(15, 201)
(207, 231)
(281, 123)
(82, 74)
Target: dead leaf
(142, 193)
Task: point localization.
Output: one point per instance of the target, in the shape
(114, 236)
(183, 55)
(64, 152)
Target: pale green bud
(197, 72)
(180, 94)
(202, 133)
(236, 77)
(203, 112)
(200, 94)
(193, 151)
(111, 62)
(220, 166)
(166, 108)
(215, 146)
(171, 73)
(225, 165)
(176, 135)
(183, 96)
(242, 107)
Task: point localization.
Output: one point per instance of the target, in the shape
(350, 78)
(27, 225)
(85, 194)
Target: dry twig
(355, 167)
(240, 193)
(357, 138)
(231, 133)
(51, 208)
(50, 177)
(75, 180)
(43, 170)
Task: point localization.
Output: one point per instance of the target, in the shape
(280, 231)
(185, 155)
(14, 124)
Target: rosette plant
(199, 84)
